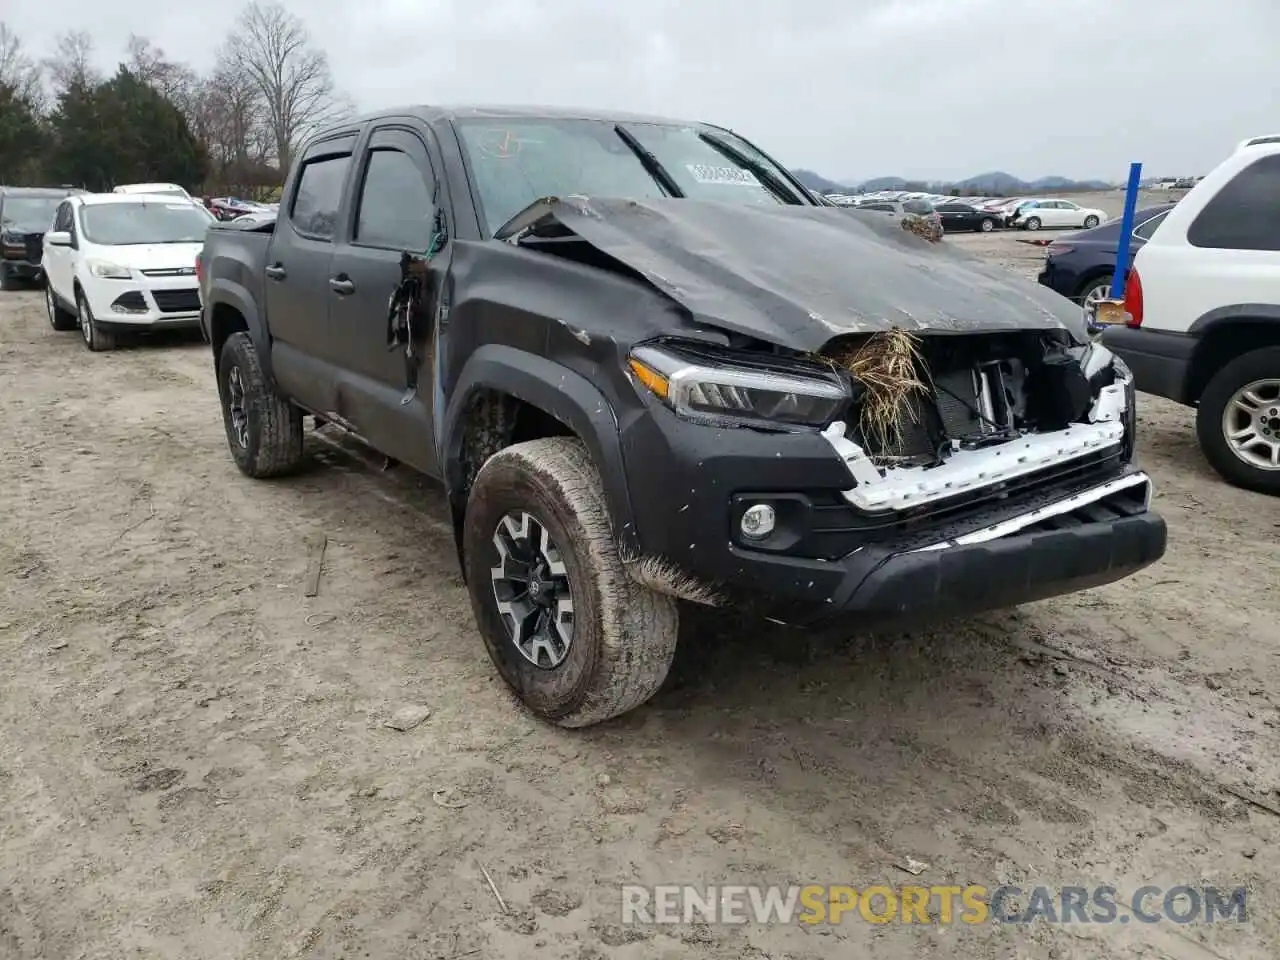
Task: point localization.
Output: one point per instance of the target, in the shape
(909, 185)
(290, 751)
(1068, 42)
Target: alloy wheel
(532, 591)
(236, 406)
(86, 321)
(1251, 424)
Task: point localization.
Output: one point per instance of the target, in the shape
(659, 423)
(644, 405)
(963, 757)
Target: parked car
(121, 262)
(1203, 314)
(153, 189)
(632, 394)
(917, 216)
(965, 216)
(25, 215)
(1035, 214)
(1082, 265)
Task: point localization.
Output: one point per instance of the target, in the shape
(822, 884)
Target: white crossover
(117, 262)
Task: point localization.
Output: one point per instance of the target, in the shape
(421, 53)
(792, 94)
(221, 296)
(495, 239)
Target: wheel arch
(505, 396)
(230, 308)
(1227, 333)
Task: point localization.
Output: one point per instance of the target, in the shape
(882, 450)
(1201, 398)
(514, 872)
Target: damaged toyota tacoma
(648, 366)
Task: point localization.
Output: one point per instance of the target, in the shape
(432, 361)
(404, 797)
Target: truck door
(393, 211)
(297, 274)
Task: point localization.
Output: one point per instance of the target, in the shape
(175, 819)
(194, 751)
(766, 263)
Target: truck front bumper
(1076, 526)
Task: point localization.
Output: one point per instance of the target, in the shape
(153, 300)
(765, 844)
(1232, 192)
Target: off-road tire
(273, 424)
(1031, 223)
(1090, 222)
(60, 318)
(986, 225)
(624, 633)
(1244, 369)
(95, 338)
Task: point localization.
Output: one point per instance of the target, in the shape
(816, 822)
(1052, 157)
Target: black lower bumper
(21, 269)
(1160, 361)
(1005, 572)
(823, 561)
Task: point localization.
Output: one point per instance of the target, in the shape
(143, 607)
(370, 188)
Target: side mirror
(57, 238)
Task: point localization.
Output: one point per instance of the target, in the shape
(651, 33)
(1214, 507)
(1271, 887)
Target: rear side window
(1245, 214)
(886, 207)
(319, 195)
(919, 207)
(395, 204)
(1148, 227)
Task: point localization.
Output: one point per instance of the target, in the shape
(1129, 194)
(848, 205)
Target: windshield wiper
(649, 161)
(775, 184)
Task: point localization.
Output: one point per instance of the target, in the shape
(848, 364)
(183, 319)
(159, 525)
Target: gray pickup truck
(648, 366)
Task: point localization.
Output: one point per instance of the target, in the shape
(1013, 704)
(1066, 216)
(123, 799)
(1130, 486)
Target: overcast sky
(849, 88)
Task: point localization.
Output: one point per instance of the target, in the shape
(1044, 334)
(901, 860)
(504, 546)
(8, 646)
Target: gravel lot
(194, 761)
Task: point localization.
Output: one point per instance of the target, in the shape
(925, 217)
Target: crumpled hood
(799, 276)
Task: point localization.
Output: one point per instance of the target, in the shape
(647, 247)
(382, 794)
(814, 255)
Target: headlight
(108, 271)
(737, 395)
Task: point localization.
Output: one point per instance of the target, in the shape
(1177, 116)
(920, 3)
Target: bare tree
(291, 77)
(18, 72)
(72, 62)
(176, 82)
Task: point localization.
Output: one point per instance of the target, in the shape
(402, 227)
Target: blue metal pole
(1126, 232)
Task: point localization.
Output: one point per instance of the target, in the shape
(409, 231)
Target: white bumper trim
(1013, 525)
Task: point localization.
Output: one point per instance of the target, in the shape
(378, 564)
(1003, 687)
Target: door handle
(275, 272)
(341, 285)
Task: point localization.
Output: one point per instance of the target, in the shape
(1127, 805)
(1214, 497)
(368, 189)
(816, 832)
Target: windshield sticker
(731, 176)
(501, 144)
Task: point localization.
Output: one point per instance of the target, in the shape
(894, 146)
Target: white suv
(1203, 306)
(123, 261)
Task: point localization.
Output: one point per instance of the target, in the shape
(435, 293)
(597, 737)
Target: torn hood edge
(839, 275)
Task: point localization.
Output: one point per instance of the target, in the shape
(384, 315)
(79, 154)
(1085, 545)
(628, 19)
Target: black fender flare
(223, 292)
(1255, 312)
(555, 389)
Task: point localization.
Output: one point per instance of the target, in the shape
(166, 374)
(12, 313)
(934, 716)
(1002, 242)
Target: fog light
(757, 521)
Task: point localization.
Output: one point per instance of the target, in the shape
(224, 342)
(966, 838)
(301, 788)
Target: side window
(1148, 226)
(62, 219)
(318, 197)
(395, 203)
(1244, 214)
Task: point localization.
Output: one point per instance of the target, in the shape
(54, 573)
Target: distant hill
(821, 184)
(997, 182)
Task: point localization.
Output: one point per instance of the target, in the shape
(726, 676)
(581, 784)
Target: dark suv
(25, 215)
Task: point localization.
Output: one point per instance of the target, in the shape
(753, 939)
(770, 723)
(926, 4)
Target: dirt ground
(194, 761)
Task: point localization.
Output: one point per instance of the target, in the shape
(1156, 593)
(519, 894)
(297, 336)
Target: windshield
(117, 224)
(517, 161)
(29, 213)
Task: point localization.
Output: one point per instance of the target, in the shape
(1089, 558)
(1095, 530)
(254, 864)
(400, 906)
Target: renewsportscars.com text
(836, 903)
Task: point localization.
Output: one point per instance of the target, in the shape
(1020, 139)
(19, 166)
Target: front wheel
(576, 638)
(1238, 421)
(1090, 222)
(264, 431)
(1032, 223)
(59, 318)
(95, 338)
(987, 225)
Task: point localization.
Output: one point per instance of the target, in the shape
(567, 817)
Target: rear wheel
(7, 280)
(1238, 421)
(570, 631)
(1090, 294)
(1032, 223)
(264, 431)
(59, 317)
(95, 338)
